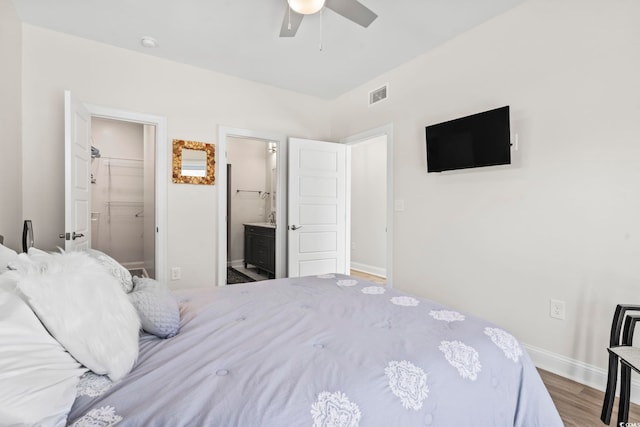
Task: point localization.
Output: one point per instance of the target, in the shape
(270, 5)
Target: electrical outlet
(176, 273)
(556, 309)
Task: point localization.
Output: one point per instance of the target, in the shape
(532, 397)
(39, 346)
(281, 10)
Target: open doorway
(251, 205)
(160, 176)
(238, 210)
(123, 193)
(370, 209)
(368, 164)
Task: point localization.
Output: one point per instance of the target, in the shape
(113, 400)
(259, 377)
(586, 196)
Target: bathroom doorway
(123, 193)
(252, 199)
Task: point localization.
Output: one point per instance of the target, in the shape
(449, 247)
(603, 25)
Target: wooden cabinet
(260, 248)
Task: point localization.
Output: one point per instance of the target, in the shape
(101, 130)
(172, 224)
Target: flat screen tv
(478, 140)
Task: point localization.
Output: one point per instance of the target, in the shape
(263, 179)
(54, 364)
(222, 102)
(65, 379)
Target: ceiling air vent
(378, 95)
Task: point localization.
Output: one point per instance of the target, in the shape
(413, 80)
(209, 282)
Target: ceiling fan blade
(353, 10)
(293, 18)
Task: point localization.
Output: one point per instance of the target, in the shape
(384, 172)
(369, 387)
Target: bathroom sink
(261, 224)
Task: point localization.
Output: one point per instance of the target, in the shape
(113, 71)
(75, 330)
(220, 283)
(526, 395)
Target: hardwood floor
(370, 277)
(580, 405)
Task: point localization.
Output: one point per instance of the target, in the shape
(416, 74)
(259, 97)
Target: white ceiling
(240, 37)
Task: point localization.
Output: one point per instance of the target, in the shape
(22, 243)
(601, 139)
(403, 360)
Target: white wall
(10, 124)
(564, 220)
(249, 164)
(195, 102)
(369, 205)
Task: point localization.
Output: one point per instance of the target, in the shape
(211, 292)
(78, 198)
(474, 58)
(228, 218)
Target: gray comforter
(321, 351)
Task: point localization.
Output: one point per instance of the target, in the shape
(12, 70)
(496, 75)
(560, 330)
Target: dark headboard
(1, 239)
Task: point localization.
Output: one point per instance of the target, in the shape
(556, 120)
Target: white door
(77, 174)
(316, 208)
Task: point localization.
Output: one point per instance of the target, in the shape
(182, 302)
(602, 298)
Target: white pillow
(6, 256)
(25, 259)
(35, 252)
(84, 308)
(38, 377)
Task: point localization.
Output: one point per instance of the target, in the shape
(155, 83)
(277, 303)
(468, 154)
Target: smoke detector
(149, 42)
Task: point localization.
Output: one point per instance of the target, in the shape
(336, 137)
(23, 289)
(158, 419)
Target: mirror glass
(194, 162)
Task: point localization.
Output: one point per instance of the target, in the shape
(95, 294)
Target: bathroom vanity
(260, 247)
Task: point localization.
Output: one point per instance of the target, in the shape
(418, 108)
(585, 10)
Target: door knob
(70, 236)
(295, 227)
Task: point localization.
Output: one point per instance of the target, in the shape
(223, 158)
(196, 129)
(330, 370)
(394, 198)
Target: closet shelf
(123, 203)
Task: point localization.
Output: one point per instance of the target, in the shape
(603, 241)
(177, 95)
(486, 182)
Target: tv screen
(481, 139)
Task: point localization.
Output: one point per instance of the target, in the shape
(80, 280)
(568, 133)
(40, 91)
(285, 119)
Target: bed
(329, 350)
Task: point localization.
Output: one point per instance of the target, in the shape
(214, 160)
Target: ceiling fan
(353, 10)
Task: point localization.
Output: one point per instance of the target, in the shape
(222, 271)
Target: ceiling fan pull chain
(321, 13)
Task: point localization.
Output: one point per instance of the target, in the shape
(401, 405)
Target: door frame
(356, 139)
(161, 172)
(280, 140)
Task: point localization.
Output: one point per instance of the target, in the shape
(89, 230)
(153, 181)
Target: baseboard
(376, 271)
(576, 370)
(235, 263)
(133, 264)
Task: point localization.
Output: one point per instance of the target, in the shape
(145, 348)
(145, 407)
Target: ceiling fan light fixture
(306, 7)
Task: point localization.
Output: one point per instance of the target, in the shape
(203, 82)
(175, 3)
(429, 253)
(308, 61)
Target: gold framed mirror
(194, 162)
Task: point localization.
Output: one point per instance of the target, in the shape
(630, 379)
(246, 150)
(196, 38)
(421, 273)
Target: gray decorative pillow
(114, 267)
(158, 309)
